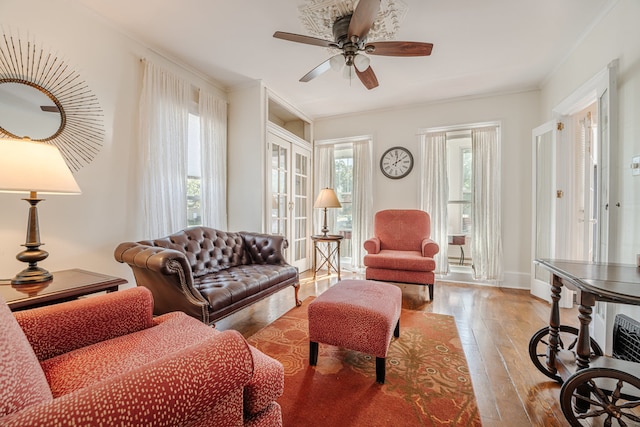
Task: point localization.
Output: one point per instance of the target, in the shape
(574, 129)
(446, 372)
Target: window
(194, 173)
(343, 186)
(460, 183)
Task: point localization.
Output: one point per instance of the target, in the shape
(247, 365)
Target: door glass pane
(545, 200)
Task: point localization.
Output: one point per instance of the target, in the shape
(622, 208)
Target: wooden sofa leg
(396, 331)
(430, 292)
(296, 288)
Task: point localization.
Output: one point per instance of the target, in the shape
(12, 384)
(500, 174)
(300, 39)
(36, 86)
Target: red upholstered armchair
(107, 361)
(401, 249)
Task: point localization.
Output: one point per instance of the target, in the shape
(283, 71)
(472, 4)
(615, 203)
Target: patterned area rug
(427, 379)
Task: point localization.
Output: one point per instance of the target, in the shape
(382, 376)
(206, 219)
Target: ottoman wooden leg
(313, 353)
(380, 369)
(396, 331)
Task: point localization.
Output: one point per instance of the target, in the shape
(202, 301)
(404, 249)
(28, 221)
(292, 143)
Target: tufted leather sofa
(208, 273)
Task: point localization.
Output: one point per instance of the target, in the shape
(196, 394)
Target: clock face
(396, 162)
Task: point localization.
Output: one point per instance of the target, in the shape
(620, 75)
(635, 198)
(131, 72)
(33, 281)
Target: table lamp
(33, 167)
(326, 199)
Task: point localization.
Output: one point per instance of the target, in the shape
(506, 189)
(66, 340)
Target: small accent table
(330, 255)
(458, 240)
(66, 285)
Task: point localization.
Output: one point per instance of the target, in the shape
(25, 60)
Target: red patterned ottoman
(359, 315)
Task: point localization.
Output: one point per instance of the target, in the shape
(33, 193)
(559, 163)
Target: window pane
(194, 172)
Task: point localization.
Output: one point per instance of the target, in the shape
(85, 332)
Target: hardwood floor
(494, 324)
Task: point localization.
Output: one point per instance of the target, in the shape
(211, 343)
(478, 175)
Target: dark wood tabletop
(66, 285)
(608, 282)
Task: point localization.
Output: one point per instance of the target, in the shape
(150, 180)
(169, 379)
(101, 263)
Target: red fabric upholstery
(401, 249)
(175, 371)
(359, 315)
(22, 382)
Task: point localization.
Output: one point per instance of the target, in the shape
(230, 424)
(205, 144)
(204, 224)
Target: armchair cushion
(22, 382)
(401, 260)
(98, 362)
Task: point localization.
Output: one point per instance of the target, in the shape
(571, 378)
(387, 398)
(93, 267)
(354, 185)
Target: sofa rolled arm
(154, 258)
(203, 381)
(61, 328)
(265, 248)
(429, 248)
(372, 245)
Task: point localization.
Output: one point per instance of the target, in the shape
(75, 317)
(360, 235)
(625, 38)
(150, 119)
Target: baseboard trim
(512, 279)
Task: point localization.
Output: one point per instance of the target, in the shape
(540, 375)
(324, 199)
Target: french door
(289, 198)
(573, 193)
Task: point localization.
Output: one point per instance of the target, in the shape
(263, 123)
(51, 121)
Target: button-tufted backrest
(207, 250)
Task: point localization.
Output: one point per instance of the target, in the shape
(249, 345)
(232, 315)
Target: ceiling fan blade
(320, 69)
(303, 39)
(363, 17)
(367, 77)
(399, 48)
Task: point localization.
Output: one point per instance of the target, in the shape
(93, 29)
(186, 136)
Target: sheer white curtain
(486, 244)
(213, 142)
(164, 118)
(324, 172)
(362, 197)
(434, 193)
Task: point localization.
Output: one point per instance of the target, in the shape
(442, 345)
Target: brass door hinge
(560, 126)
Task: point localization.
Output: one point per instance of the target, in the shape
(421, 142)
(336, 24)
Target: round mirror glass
(26, 111)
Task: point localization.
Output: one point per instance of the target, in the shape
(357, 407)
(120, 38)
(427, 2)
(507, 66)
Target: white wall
(617, 36)
(518, 114)
(82, 231)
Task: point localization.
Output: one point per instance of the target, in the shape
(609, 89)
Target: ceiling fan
(350, 36)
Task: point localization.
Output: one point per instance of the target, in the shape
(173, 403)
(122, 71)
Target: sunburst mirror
(45, 100)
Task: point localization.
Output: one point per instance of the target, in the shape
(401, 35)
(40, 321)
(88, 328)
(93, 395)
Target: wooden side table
(329, 255)
(459, 240)
(66, 285)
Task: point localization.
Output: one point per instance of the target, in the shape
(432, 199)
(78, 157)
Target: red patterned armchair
(401, 249)
(106, 360)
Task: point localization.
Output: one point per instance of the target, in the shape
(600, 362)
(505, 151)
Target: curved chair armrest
(60, 328)
(372, 245)
(429, 248)
(200, 382)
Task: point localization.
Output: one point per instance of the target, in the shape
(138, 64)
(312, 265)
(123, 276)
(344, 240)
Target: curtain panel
(362, 198)
(486, 243)
(434, 193)
(164, 117)
(213, 142)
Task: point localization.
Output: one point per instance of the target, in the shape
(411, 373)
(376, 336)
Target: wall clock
(396, 162)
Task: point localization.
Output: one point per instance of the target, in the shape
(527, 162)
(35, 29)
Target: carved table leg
(554, 324)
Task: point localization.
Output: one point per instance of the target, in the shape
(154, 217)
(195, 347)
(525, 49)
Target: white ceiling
(480, 47)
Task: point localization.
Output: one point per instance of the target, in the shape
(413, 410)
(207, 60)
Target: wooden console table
(329, 257)
(66, 285)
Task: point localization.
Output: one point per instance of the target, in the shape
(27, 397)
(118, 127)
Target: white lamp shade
(336, 62)
(27, 166)
(327, 199)
(361, 62)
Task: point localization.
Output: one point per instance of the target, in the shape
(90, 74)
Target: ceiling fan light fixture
(361, 62)
(337, 62)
